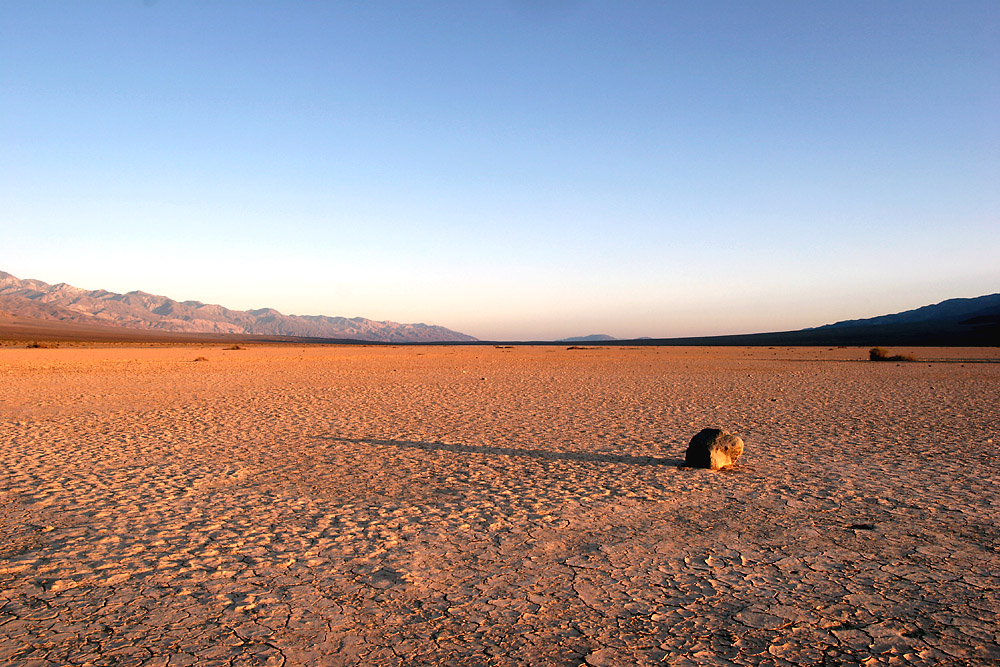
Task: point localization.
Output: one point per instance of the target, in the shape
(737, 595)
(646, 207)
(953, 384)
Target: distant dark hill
(953, 312)
(952, 323)
(592, 338)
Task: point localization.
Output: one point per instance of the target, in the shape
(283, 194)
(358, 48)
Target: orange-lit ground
(483, 506)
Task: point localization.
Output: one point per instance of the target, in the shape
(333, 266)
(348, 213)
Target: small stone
(713, 448)
(604, 657)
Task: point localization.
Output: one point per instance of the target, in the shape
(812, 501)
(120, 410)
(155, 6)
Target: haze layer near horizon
(510, 170)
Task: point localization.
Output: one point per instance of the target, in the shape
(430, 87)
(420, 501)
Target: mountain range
(32, 309)
(592, 338)
(973, 322)
(139, 310)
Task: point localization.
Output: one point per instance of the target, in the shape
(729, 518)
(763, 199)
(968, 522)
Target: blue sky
(508, 169)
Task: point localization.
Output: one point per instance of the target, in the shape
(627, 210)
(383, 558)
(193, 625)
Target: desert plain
(315, 505)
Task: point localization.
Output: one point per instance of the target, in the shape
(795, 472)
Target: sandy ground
(482, 506)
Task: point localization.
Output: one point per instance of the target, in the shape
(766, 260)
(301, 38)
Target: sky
(509, 169)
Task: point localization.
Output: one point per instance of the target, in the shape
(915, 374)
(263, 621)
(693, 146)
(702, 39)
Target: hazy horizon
(509, 170)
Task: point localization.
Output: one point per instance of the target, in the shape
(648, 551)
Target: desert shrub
(234, 347)
(201, 358)
(882, 354)
(43, 345)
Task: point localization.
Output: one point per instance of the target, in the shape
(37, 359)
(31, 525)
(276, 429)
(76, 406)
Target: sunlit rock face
(713, 448)
(139, 310)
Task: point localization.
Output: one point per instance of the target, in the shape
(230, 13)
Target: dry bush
(882, 354)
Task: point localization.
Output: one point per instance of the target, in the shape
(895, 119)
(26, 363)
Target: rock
(713, 448)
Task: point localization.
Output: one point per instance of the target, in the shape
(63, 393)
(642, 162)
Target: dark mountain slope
(971, 322)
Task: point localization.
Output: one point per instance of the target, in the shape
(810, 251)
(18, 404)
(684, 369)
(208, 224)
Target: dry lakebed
(284, 506)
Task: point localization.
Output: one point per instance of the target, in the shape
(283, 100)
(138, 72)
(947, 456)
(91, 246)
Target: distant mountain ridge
(972, 322)
(592, 338)
(981, 310)
(141, 310)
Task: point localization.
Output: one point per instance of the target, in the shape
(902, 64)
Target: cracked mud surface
(478, 506)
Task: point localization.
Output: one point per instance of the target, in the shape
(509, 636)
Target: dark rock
(713, 448)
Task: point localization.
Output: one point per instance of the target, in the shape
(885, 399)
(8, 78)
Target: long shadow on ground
(515, 451)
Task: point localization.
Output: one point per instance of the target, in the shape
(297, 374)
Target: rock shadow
(546, 454)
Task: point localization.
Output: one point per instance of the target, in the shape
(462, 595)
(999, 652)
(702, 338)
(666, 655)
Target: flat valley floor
(485, 506)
